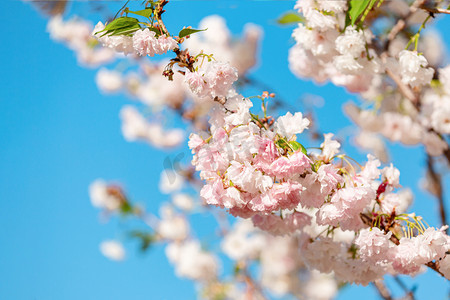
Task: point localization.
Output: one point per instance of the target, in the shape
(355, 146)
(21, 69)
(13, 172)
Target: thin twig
(401, 22)
(437, 10)
(404, 89)
(403, 286)
(253, 289)
(159, 12)
(437, 184)
(416, 5)
(434, 266)
(431, 265)
(277, 102)
(447, 154)
(382, 290)
(368, 220)
(399, 26)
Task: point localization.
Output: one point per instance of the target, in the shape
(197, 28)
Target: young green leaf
(188, 31)
(290, 18)
(122, 25)
(126, 208)
(121, 22)
(126, 30)
(144, 12)
(147, 239)
(158, 33)
(357, 8)
(296, 145)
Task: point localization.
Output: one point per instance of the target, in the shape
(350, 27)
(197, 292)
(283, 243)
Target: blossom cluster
(76, 33)
(142, 42)
(146, 43)
(240, 53)
(373, 65)
(251, 169)
(259, 171)
(147, 84)
(303, 209)
(327, 50)
(279, 260)
(135, 127)
(245, 244)
(171, 227)
(213, 79)
(210, 78)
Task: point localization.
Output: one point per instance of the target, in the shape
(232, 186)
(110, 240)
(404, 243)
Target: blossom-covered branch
(316, 206)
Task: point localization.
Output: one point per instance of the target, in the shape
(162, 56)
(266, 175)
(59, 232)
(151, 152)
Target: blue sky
(58, 134)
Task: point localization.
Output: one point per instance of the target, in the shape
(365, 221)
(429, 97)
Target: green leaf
(126, 30)
(144, 12)
(121, 22)
(158, 33)
(255, 118)
(188, 31)
(126, 208)
(146, 239)
(119, 25)
(296, 145)
(357, 8)
(347, 20)
(236, 269)
(289, 18)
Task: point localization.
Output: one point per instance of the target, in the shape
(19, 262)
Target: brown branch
(447, 154)
(253, 289)
(277, 102)
(382, 289)
(159, 12)
(437, 185)
(399, 26)
(416, 5)
(410, 95)
(404, 89)
(437, 10)
(368, 220)
(434, 266)
(403, 286)
(401, 22)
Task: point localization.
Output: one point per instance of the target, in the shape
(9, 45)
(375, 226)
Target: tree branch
(382, 289)
(437, 184)
(159, 12)
(368, 220)
(437, 10)
(447, 154)
(401, 22)
(404, 89)
(402, 285)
